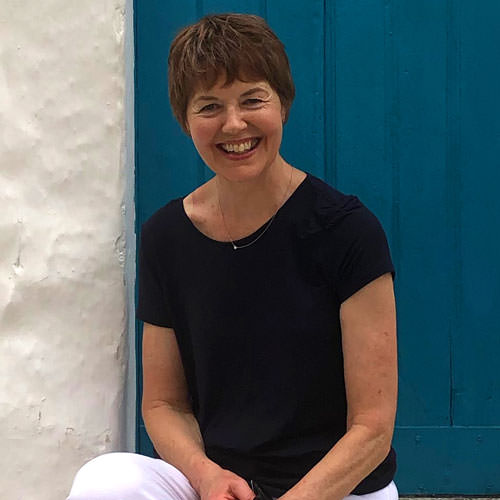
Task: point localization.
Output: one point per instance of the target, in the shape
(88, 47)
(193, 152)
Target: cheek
(201, 134)
(274, 128)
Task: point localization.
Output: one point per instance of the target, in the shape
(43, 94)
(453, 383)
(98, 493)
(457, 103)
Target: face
(237, 129)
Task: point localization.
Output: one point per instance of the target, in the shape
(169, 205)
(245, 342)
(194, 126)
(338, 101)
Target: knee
(113, 476)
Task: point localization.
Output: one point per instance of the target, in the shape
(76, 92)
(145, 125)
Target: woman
(269, 348)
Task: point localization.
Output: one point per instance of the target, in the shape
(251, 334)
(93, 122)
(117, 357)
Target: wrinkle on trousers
(129, 476)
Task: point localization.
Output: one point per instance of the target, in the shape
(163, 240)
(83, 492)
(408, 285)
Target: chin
(241, 173)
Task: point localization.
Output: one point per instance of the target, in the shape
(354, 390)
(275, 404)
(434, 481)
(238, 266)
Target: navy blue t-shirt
(258, 328)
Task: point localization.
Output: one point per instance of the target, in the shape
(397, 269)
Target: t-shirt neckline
(245, 239)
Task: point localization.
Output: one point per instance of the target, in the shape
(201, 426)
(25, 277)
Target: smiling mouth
(239, 148)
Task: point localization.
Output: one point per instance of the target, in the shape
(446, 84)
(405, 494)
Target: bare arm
(170, 422)
(165, 399)
(368, 321)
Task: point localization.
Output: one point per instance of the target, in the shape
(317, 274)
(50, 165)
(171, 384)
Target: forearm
(354, 456)
(176, 437)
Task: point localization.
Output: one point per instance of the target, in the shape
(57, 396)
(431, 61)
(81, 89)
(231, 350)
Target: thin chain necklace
(237, 247)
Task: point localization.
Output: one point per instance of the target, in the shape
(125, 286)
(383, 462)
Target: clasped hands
(225, 485)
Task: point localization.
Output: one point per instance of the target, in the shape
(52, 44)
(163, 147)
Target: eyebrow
(253, 90)
(248, 92)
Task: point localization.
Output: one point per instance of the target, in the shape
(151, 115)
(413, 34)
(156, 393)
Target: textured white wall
(63, 329)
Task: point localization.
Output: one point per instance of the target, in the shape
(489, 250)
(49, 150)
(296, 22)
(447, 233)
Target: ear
(283, 114)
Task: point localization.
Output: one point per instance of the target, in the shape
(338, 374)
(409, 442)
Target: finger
(241, 490)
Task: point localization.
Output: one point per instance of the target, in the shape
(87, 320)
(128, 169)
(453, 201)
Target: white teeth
(239, 148)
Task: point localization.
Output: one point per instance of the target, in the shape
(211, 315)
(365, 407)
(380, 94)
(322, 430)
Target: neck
(256, 198)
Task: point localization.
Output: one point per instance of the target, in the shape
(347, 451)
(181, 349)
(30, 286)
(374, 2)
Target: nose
(234, 121)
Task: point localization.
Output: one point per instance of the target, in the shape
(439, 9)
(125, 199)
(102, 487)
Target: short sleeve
(152, 306)
(366, 255)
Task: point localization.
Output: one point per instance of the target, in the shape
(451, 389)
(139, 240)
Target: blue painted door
(398, 101)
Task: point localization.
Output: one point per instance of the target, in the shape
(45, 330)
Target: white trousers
(129, 476)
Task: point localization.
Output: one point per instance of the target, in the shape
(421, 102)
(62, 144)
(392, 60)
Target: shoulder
(348, 239)
(331, 210)
(200, 205)
(162, 222)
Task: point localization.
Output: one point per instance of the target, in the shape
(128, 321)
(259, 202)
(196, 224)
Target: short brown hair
(238, 46)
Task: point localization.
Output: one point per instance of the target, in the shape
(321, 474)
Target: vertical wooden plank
(453, 162)
(366, 124)
(164, 154)
(477, 338)
(300, 28)
(330, 95)
(426, 274)
(391, 136)
(240, 6)
(360, 85)
(166, 162)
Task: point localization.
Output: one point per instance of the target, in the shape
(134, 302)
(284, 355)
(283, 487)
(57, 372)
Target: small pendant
(235, 247)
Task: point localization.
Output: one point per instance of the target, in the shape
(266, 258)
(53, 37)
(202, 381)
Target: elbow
(150, 407)
(384, 441)
(148, 404)
(146, 409)
(153, 406)
(381, 437)
(377, 435)
(152, 413)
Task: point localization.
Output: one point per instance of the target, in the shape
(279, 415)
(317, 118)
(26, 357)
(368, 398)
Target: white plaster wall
(63, 325)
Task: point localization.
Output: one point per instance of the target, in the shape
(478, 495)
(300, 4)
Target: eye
(253, 102)
(209, 108)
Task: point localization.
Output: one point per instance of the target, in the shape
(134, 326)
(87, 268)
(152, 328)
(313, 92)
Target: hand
(225, 485)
